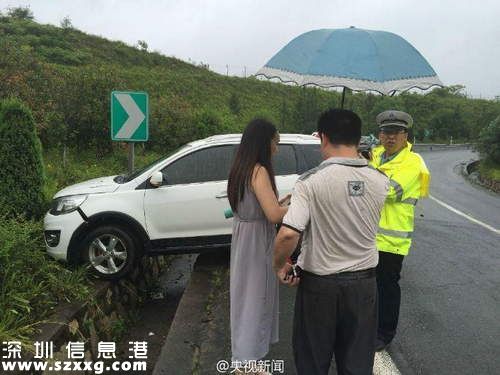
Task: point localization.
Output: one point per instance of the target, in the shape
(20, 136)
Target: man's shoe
(380, 345)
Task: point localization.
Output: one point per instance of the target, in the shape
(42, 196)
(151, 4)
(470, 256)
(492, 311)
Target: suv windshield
(126, 177)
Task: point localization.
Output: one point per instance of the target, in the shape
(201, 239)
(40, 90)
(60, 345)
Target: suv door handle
(221, 195)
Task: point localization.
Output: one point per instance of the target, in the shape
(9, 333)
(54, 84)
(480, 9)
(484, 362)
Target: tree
(21, 167)
(21, 13)
(202, 65)
(489, 142)
(307, 111)
(449, 91)
(142, 45)
(66, 23)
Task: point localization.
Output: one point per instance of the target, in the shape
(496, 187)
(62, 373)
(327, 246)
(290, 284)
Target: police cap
(394, 118)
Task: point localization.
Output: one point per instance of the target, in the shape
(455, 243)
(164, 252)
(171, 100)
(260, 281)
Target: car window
(311, 156)
(209, 164)
(285, 161)
(139, 171)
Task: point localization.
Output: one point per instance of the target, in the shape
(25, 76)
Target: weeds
(490, 170)
(31, 284)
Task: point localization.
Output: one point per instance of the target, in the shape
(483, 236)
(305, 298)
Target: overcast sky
(460, 39)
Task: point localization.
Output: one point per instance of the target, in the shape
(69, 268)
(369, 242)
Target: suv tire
(109, 251)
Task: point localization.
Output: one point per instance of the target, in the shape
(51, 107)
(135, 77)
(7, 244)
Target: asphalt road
(451, 279)
(449, 321)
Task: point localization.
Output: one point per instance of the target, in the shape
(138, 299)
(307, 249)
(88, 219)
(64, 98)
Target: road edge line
(468, 217)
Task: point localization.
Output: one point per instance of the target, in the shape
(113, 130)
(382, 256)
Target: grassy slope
(180, 91)
(161, 76)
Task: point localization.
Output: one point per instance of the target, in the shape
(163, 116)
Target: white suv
(174, 205)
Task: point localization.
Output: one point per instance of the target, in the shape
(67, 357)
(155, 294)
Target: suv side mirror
(156, 179)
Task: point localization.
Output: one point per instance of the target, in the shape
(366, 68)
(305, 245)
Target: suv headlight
(64, 205)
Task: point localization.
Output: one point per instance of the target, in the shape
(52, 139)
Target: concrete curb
(57, 325)
(55, 328)
(467, 170)
(182, 343)
(182, 351)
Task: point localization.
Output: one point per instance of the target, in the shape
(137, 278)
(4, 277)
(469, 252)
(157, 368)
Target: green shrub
(234, 104)
(489, 142)
(489, 170)
(31, 284)
(21, 13)
(60, 55)
(172, 123)
(209, 122)
(21, 167)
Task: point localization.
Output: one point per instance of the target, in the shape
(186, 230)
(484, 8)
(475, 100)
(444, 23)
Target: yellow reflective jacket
(409, 180)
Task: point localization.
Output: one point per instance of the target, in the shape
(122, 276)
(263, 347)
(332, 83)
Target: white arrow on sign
(135, 116)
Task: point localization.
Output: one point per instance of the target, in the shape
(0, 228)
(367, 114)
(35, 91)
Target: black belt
(355, 275)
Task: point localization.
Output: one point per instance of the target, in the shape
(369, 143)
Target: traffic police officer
(409, 179)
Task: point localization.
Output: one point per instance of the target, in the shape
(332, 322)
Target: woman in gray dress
(254, 200)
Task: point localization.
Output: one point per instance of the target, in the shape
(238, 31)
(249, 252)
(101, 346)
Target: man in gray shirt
(336, 208)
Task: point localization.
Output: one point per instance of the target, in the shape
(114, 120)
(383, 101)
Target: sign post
(131, 156)
(129, 119)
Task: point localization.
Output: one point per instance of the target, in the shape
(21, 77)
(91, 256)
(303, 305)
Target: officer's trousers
(389, 294)
(335, 315)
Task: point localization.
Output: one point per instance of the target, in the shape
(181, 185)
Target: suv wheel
(109, 251)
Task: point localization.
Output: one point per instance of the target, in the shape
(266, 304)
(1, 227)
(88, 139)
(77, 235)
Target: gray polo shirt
(337, 207)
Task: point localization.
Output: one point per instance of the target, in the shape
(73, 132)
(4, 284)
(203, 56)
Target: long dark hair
(255, 147)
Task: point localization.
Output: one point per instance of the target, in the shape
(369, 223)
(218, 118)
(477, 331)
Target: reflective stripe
(395, 233)
(398, 189)
(412, 201)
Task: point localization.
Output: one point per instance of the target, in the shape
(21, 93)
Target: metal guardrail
(441, 146)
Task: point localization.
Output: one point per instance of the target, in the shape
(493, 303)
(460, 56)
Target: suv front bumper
(58, 230)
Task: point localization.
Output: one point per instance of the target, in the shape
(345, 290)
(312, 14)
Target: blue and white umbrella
(361, 60)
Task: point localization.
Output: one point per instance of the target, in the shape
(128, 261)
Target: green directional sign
(129, 116)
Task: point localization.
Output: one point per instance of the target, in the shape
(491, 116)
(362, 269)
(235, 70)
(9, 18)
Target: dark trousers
(335, 315)
(389, 294)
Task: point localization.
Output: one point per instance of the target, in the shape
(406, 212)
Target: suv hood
(94, 186)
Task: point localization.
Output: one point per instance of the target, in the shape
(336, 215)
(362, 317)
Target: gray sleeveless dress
(253, 283)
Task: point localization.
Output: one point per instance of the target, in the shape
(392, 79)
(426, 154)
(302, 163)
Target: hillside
(66, 76)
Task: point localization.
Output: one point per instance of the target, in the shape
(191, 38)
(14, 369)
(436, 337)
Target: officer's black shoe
(380, 345)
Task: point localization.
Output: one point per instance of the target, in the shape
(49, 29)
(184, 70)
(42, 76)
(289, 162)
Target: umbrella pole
(343, 98)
